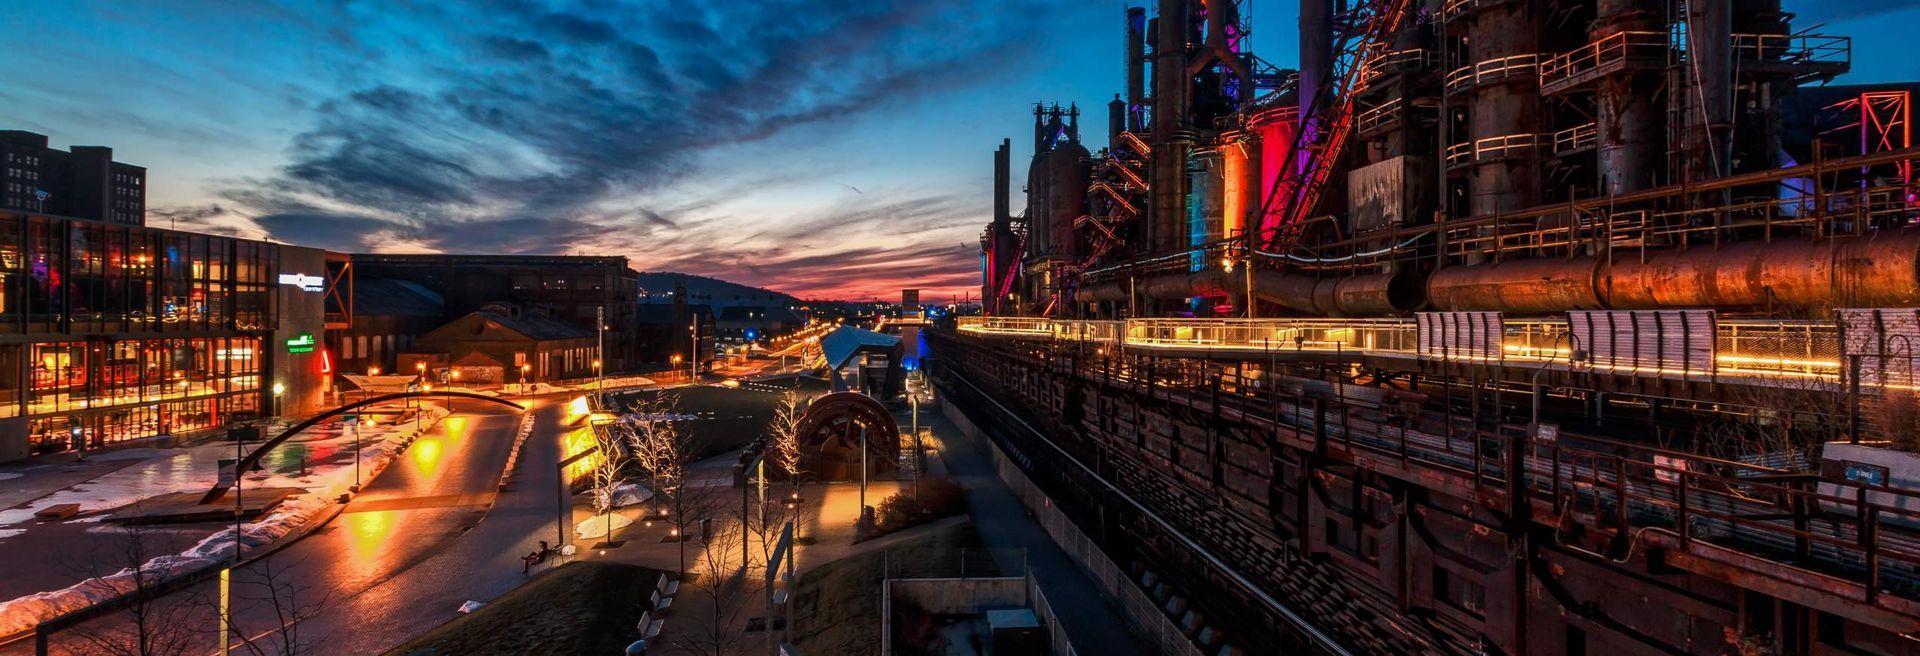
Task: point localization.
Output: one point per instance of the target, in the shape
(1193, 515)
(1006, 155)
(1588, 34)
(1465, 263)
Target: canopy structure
(862, 360)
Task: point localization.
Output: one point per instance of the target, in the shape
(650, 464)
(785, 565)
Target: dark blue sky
(823, 147)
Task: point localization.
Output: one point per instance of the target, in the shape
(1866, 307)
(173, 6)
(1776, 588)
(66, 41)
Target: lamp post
(425, 388)
(279, 390)
(676, 362)
(523, 377)
(420, 371)
(600, 346)
(693, 362)
(453, 376)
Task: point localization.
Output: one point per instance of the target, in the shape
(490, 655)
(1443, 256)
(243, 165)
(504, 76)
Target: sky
(825, 148)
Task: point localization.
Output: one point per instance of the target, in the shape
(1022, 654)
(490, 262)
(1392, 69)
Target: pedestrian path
(1005, 526)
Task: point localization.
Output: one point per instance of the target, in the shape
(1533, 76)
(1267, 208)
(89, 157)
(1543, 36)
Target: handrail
(1495, 70)
(1615, 47)
(1491, 148)
(1797, 352)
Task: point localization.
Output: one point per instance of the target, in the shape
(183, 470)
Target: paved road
(1090, 619)
(427, 535)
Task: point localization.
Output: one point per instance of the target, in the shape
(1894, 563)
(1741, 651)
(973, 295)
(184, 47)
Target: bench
(666, 586)
(661, 603)
(649, 626)
(58, 511)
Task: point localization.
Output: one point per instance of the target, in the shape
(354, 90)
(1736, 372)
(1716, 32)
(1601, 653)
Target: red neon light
(326, 362)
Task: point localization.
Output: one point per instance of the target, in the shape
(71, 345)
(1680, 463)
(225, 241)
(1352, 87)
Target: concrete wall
(301, 312)
(957, 596)
(969, 596)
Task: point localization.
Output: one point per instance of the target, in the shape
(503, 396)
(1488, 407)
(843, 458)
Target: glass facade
(126, 332)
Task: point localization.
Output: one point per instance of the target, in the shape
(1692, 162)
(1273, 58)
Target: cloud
(527, 130)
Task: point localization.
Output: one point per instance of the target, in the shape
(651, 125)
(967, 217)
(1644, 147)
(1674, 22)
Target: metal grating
(1661, 342)
(1459, 335)
(1883, 343)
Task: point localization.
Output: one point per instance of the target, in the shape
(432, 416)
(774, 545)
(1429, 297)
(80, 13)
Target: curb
(513, 456)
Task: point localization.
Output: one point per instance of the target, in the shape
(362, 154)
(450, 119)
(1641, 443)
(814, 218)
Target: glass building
(113, 332)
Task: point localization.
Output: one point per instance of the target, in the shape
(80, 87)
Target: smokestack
(1039, 129)
(1003, 184)
(1172, 104)
(1136, 68)
(1316, 53)
(1116, 120)
(1073, 123)
(1631, 141)
(1710, 77)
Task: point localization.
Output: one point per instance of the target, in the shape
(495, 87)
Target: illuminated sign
(305, 282)
(301, 343)
(233, 354)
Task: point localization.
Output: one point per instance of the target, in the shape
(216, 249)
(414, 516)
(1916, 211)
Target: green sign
(301, 343)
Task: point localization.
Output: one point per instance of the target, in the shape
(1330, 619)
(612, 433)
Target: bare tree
(147, 621)
(784, 451)
(289, 603)
(608, 468)
(722, 593)
(649, 432)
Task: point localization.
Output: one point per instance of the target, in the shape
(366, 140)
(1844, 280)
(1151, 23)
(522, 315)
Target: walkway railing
(1803, 352)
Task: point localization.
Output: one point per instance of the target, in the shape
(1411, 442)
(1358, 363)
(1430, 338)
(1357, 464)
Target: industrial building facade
(1499, 326)
(572, 289)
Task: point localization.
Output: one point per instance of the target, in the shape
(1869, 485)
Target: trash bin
(243, 433)
(638, 647)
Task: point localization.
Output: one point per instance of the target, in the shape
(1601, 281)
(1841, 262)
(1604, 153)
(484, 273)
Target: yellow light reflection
(426, 455)
(368, 532)
(579, 440)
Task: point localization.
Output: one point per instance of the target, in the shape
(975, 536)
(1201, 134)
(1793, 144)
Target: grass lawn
(837, 605)
(725, 418)
(579, 608)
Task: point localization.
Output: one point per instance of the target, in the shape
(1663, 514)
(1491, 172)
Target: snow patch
(191, 470)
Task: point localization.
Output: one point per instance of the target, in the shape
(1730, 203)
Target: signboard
(301, 343)
(226, 470)
(306, 283)
(1864, 473)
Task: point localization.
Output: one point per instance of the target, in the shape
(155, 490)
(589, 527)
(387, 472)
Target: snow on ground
(191, 470)
(9, 476)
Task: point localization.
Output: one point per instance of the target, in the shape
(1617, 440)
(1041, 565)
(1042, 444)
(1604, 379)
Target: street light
(523, 377)
(279, 390)
(598, 382)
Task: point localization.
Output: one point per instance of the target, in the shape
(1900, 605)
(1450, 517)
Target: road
(427, 535)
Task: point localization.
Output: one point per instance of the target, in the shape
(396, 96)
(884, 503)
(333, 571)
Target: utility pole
(600, 347)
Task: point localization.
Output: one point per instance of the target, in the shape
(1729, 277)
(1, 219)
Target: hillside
(714, 291)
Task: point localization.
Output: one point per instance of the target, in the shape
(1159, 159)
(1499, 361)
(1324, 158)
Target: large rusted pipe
(1877, 271)
(1365, 295)
(1536, 286)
